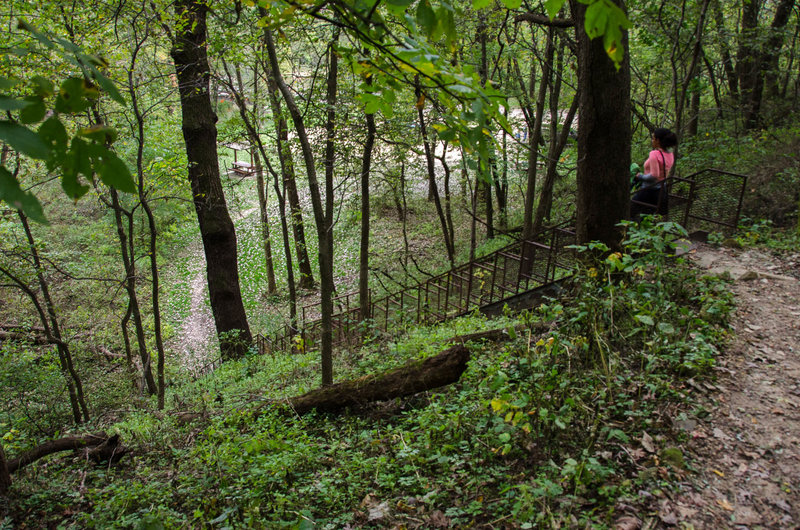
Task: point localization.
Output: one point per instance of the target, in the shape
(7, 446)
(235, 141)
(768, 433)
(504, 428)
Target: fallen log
(100, 447)
(414, 377)
(417, 376)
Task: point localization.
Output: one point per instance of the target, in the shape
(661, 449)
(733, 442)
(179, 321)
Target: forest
(375, 263)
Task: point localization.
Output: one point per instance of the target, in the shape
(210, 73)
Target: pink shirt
(657, 166)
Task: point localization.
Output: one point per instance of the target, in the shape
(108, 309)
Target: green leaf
(8, 83)
(23, 140)
(666, 328)
(480, 4)
(9, 103)
(13, 195)
(34, 112)
(115, 173)
(107, 86)
(24, 25)
(99, 133)
(399, 3)
(53, 133)
(42, 86)
(553, 7)
(426, 18)
(75, 163)
(447, 23)
(645, 319)
(596, 19)
(74, 96)
(512, 4)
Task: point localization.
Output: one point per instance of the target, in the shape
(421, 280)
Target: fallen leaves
(648, 443)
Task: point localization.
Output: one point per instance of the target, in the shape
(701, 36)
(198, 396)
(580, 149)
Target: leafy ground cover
(545, 428)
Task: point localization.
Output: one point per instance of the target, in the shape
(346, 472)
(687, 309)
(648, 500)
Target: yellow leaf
(497, 404)
(725, 504)
(720, 473)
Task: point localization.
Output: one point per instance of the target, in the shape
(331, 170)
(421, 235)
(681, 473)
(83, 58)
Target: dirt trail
(746, 453)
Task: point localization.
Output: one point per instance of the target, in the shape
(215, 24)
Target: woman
(657, 167)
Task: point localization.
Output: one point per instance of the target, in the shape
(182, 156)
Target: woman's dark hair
(665, 137)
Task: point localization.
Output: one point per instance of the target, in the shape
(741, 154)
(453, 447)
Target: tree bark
(325, 236)
(767, 56)
(604, 137)
(747, 56)
(200, 134)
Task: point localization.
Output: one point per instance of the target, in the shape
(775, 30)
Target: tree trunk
(53, 330)
(130, 288)
(151, 224)
(326, 229)
(558, 140)
(691, 72)
(604, 136)
(290, 184)
(200, 134)
(727, 61)
(363, 270)
(767, 56)
(536, 134)
(316, 203)
(747, 57)
(254, 141)
(448, 198)
(429, 164)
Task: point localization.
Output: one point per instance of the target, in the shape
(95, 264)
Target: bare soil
(744, 456)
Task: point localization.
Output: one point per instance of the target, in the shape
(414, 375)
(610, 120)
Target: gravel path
(746, 453)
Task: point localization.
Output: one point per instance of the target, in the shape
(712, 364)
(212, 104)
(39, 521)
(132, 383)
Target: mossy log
(417, 376)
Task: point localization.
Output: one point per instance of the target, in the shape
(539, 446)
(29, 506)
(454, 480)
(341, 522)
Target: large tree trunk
(200, 135)
(747, 55)
(604, 136)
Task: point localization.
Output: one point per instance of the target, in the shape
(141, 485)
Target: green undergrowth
(547, 427)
